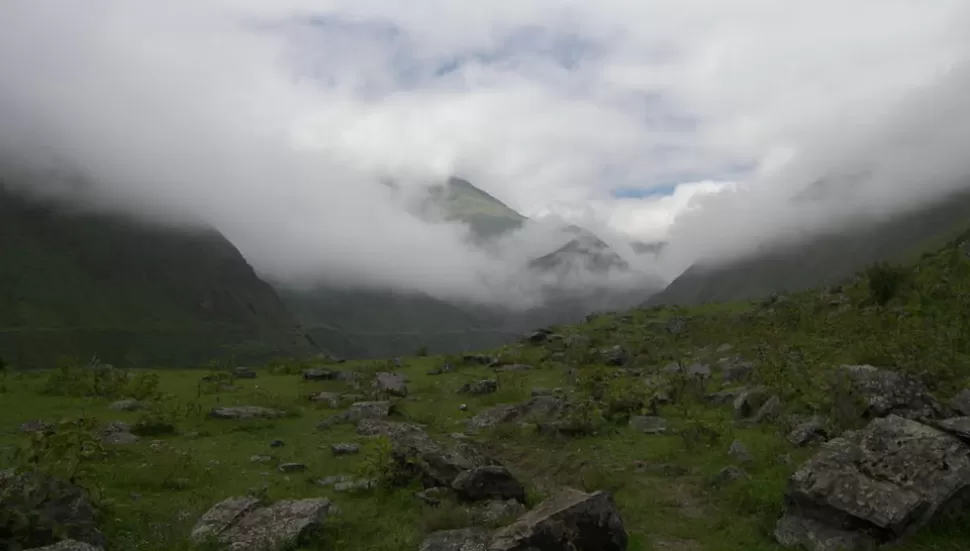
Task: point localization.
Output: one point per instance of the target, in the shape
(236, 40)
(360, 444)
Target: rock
(540, 392)
(808, 432)
(436, 463)
(769, 411)
(748, 401)
(961, 403)
(368, 410)
(875, 485)
(477, 359)
(957, 426)
(671, 368)
(538, 408)
(649, 424)
(391, 383)
(319, 375)
(292, 468)
(488, 482)
(724, 349)
(496, 510)
(276, 444)
(239, 524)
(571, 520)
(331, 399)
(331, 480)
(262, 458)
(739, 452)
(723, 397)
(573, 341)
(345, 449)
(244, 373)
(615, 355)
(67, 545)
(737, 372)
(465, 539)
(539, 336)
(728, 475)
(35, 426)
(700, 371)
(128, 404)
(118, 433)
(485, 386)
(885, 392)
(347, 376)
(676, 326)
(245, 413)
(355, 485)
(512, 367)
(444, 368)
(48, 502)
(433, 496)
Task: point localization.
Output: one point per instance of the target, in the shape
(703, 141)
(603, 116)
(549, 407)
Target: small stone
(433, 496)
(478, 388)
(463, 407)
(740, 452)
(262, 458)
(345, 449)
(129, 404)
(276, 444)
(331, 480)
(648, 424)
(292, 467)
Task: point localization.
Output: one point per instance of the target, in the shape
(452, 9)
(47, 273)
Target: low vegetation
(669, 480)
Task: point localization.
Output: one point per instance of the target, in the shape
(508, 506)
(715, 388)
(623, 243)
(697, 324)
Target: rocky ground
(836, 419)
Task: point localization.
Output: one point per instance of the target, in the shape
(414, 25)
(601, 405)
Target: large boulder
(55, 509)
(874, 486)
(241, 524)
(885, 392)
(571, 520)
(452, 463)
(393, 384)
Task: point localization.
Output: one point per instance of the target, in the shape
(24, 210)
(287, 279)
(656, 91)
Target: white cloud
(272, 119)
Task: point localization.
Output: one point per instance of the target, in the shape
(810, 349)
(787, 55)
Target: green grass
(152, 495)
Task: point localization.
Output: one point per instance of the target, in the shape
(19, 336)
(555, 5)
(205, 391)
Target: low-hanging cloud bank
(275, 121)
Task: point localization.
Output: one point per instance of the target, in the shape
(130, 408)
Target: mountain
(369, 323)
(821, 260)
(486, 216)
(84, 284)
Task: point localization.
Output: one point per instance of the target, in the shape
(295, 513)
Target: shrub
(885, 282)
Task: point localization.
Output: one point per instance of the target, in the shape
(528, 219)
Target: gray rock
(465, 539)
(446, 367)
(488, 482)
(671, 368)
(292, 467)
(35, 426)
(737, 372)
(769, 411)
(615, 355)
(496, 510)
(67, 545)
(739, 452)
(540, 392)
(649, 424)
(539, 336)
(723, 397)
(675, 326)
(394, 384)
(345, 449)
(880, 484)
(537, 408)
(885, 392)
(728, 475)
(245, 413)
(700, 371)
(319, 375)
(368, 410)
(49, 502)
(355, 485)
(748, 401)
(724, 349)
(571, 520)
(262, 458)
(128, 404)
(240, 524)
(244, 373)
(331, 480)
(331, 399)
(433, 496)
(957, 426)
(809, 432)
(961, 403)
(485, 386)
(117, 433)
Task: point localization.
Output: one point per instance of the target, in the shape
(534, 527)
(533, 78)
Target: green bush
(96, 380)
(885, 282)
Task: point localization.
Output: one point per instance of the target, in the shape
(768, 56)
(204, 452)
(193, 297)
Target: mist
(277, 122)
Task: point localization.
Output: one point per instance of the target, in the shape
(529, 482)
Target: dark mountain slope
(85, 284)
(823, 260)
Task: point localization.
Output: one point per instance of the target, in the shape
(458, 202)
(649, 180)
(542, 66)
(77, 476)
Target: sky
(689, 121)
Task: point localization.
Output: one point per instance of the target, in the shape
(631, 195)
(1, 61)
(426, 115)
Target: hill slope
(84, 284)
(823, 260)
